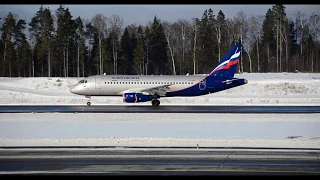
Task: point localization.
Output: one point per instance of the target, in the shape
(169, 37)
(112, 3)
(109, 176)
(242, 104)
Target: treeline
(56, 44)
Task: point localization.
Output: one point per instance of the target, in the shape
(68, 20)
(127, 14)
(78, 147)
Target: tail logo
(228, 63)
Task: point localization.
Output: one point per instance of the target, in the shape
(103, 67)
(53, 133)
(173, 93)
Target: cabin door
(98, 82)
(202, 84)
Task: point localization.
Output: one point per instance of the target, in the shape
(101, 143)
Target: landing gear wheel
(88, 103)
(155, 102)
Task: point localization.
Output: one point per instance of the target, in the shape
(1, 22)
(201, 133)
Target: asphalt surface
(159, 109)
(157, 161)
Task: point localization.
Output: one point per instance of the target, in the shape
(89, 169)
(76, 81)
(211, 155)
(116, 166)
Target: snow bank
(165, 142)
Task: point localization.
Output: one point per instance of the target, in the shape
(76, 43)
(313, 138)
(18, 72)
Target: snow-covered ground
(264, 89)
(164, 129)
(160, 130)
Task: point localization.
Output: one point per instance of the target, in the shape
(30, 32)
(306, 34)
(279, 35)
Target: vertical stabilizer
(228, 64)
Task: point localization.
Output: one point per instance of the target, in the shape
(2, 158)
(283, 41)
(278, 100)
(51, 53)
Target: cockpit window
(82, 81)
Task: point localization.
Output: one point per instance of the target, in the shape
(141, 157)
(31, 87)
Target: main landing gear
(155, 102)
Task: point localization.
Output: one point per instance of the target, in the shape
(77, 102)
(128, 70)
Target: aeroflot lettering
(125, 77)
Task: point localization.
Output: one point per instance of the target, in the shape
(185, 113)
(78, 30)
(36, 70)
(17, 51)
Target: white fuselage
(116, 85)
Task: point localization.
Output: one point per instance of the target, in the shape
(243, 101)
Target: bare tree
(285, 38)
(115, 28)
(241, 20)
(314, 29)
(232, 26)
(195, 27)
(300, 22)
(218, 25)
(230, 30)
(252, 35)
(99, 21)
(255, 28)
(280, 17)
(183, 27)
(259, 32)
(167, 31)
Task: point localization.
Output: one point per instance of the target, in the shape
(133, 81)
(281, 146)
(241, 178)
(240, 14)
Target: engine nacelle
(135, 97)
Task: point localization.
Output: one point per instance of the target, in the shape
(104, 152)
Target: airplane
(143, 88)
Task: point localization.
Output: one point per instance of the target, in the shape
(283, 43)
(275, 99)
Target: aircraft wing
(160, 90)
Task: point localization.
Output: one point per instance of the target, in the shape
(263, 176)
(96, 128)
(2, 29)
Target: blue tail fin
(228, 64)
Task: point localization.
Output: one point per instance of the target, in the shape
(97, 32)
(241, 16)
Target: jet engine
(135, 97)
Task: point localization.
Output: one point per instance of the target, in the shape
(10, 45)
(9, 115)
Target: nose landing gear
(89, 99)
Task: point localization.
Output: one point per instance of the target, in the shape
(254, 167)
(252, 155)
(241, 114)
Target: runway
(157, 161)
(129, 160)
(160, 109)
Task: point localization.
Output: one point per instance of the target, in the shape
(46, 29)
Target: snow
(262, 89)
(164, 129)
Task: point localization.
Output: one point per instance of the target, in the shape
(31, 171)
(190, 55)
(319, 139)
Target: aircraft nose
(73, 89)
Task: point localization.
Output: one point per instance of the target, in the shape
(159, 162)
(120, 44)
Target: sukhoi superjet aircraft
(143, 88)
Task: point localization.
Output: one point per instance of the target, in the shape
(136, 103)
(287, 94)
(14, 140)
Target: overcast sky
(141, 14)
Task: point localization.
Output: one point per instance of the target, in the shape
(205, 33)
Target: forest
(56, 44)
